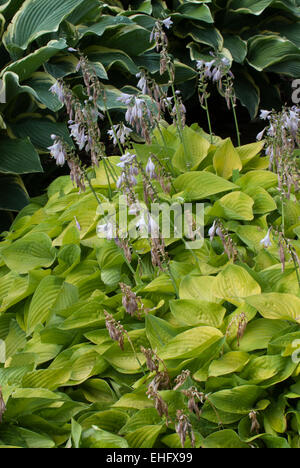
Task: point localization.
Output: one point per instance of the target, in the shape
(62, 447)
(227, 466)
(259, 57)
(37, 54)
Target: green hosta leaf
(190, 343)
(22, 287)
(13, 195)
(226, 438)
(226, 160)
(144, 437)
(34, 19)
(230, 362)
(277, 306)
(201, 185)
(265, 51)
(97, 438)
(19, 157)
(137, 400)
(236, 205)
(97, 390)
(236, 46)
(235, 283)
(52, 293)
(126, 361)
(198, 287)
(110, 420)
(248, 152)
(39, 130)
(159, 332)
(41, 83)
(46, 378)
(259, 333)
(190, 154)
(247, 91)
(15, 340)
(30, 252)
(239, 400)
(103, 23)
(145, 417)
(132, 39)
(253, 7)
(109, 57)
(76, 431)
(263, 202)
(195, 11)
(196, 312)
(268, 369)
(25, 66)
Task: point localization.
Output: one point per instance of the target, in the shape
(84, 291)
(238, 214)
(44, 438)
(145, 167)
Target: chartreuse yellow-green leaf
(190, 154)
(233, 361)
(31, 252)
(190, 343)
(201, 184)
(196, 312)
(226, 438)
(235, 205)
(235, 283)
(248, 152)
(226, 160)
(52, 293)
(277, 306)
(239, 400)
(198, 287)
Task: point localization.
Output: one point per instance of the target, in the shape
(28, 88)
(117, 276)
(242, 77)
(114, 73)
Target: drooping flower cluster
(119, 133)
(138, 114)
(228, 244)
(58, 150)
(282, 137)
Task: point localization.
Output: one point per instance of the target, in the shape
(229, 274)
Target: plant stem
(113, 129)
(208, 120)
(236, 122)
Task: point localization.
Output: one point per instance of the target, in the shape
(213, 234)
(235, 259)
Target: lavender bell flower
(58, 90)
(264, 114)
(260, 135)
(167, 22)
(57, 152)
(142, 83)
(150, 169)
(266, 241)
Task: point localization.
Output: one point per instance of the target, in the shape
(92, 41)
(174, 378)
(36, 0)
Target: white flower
(266, 241)
(77, 132)
(127, 158)
(106, 231)
(260, 135)
(264, 114)
(216, 74)
(150, 169)
(119, 132)
(142, 83)
(153, 227)
(57, 152)
(225, 61)
(167, 22)
(141, 223)
(58, 90)
(212, 231)
(200, 64)
(125, 98)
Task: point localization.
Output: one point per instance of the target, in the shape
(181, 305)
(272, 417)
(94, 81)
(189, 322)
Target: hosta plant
(105, 347)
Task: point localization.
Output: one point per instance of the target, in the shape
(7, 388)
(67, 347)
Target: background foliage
(66, 382)
(261, 38)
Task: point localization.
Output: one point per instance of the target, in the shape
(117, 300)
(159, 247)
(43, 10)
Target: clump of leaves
(200, 350)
